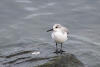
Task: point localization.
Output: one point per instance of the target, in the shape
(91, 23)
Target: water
(23, 25)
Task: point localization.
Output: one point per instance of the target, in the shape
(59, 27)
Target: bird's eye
(56, 27)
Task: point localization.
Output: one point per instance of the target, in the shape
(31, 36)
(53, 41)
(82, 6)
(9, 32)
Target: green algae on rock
(64, 60)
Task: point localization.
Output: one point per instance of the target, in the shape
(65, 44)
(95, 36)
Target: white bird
(59, 35)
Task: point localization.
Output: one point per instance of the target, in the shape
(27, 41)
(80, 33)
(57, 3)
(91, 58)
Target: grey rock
(63, 60)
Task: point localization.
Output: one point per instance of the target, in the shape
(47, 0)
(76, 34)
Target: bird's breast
(59, 36)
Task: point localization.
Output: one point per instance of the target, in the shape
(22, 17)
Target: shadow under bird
(59, 35)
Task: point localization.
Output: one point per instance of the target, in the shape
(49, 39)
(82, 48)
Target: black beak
(50, 30)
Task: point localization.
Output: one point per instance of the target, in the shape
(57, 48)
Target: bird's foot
(57, 52)
(61, 51)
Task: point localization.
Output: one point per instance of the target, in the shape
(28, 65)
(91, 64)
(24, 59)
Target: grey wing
(66, 30)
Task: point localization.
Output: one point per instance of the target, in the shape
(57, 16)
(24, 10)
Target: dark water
(23, 25)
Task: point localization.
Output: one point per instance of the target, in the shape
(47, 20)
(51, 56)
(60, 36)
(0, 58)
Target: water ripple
(38, 14)
(24, 1)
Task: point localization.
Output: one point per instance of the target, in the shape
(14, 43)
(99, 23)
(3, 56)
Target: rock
(63, 60)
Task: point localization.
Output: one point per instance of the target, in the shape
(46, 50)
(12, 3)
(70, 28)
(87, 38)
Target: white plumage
(59, 35)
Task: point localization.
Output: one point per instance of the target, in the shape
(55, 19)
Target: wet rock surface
(25, 56)
(29, 56)
(64, 60)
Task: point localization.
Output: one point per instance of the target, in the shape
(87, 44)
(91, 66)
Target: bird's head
(55, 27)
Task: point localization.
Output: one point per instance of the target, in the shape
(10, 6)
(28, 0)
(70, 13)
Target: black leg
(56, 49)
(61, 46)
(61, 49)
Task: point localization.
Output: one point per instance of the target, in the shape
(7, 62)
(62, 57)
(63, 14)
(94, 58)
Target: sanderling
(59, 35)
